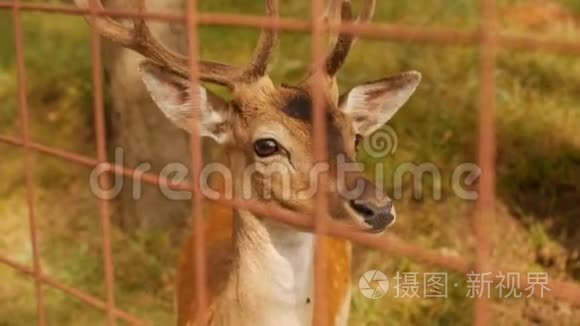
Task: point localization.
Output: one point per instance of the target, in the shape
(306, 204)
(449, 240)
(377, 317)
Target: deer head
(269, 126)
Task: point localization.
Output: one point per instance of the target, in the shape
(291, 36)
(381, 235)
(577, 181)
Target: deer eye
(266, 147)
(358, 138)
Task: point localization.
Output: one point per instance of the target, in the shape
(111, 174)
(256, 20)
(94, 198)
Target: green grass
(538, 162)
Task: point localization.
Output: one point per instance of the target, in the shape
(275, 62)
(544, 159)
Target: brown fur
(220, 248)
(258, 109)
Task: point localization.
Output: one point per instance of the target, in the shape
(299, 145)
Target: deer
(260, 272)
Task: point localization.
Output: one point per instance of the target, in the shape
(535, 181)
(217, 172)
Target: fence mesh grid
(487, 38)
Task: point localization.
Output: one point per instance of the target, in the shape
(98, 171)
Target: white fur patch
(174, 99)
(372, 105)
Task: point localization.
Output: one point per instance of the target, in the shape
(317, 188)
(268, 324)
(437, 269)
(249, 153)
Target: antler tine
(266, 42)
(333, 11)
(344, 42)
(151, 48)
(108, 27)
(367, 11)
(142, 41)
(332, 15)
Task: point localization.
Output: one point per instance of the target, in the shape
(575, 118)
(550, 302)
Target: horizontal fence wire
(567, 291)
(487, 38)
(393, 32)
(73, 292)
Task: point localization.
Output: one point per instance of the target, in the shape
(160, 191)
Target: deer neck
(271, 282)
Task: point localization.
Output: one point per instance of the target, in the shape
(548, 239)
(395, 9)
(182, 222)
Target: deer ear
(171, 93)
(371, 105)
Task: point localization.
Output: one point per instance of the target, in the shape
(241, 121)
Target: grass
(538, 164)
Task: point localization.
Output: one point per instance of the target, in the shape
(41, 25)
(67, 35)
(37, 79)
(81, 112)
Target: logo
(373, 284)
(381, 143)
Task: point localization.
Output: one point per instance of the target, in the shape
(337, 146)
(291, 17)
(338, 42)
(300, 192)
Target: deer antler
(266, 42)
(142, 41)
(343, 43)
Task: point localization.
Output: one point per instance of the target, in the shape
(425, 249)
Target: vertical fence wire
(488, 40)
(196, 163)
(486, 155)
(320, 315)
(104, 179)
(28, 160)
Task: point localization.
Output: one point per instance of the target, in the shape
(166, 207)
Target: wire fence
(487, 38)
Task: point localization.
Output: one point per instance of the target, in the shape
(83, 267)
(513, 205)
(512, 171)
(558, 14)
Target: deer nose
(376, 216)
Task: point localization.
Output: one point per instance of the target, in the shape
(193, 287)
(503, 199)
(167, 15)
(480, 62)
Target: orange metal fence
(487, 38)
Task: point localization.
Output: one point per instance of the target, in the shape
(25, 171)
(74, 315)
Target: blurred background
(537, 207)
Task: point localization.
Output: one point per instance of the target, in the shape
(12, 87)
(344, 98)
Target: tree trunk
(139, 128)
